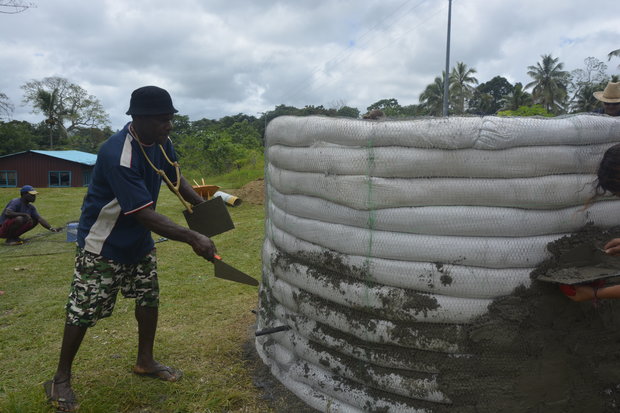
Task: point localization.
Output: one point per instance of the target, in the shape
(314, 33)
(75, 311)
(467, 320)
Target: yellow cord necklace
(173, 188)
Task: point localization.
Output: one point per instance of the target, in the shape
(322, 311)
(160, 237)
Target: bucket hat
(611, 93)
(150, 100)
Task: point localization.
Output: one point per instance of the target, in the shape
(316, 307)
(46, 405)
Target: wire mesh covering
(39, 244)
(391, 246)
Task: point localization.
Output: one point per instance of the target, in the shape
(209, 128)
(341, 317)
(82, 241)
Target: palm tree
(431, 99)
(461, 81)
(517, 98)
(585, 100)
(549, 84)
(46, 102)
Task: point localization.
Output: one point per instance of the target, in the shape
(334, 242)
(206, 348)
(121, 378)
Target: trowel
(583, 264)
(227, 272)
(581, 275)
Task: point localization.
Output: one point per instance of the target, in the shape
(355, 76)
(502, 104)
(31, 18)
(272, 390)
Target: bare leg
(71, 341)
(145, 362)
(147, 326)
(61, 385)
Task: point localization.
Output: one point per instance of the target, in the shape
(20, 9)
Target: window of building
(59, 178)
(8, 179)
(86, 177)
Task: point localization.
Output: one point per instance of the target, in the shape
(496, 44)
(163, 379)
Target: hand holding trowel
(222, 269)
(584, 272)
(211, 218)
(583, 263)
(207, 218)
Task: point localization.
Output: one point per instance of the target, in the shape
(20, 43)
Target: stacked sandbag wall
(385, 239)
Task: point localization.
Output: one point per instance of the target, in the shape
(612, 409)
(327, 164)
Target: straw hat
(611, 94)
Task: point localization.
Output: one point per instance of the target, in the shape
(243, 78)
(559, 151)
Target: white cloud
(220, 57)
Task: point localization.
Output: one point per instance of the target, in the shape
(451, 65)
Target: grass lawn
(203, 321)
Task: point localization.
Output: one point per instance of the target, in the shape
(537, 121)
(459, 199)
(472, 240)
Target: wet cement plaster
(533, 351)
(536, 350)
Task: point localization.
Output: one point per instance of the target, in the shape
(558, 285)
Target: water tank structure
(398, 254)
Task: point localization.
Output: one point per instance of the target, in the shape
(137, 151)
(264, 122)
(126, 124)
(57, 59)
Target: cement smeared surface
(580, 257)
(534, 351)
(537, 351)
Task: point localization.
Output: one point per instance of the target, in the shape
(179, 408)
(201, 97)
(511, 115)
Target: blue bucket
(72, 231)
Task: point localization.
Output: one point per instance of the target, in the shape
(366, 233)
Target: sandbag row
(369, 193)
(405, 162)
(290, 302)
(378, 354)
(489, 252)
(431, 277)
(459, 220)
(387, 303)
(489, 132)
(323, 391)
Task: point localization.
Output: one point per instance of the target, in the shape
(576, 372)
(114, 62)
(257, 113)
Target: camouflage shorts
(97, 280)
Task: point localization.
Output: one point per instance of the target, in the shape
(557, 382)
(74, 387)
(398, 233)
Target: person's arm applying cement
(589, 292)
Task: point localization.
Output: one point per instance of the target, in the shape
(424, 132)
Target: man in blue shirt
(20, 216)
(115, 247)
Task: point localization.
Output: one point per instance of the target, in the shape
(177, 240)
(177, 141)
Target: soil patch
(252, 192)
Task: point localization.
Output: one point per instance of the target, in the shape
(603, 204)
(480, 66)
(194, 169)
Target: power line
(14, 6)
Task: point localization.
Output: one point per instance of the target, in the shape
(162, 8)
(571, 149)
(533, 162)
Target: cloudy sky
(223, 57)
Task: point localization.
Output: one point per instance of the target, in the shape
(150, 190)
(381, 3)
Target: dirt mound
(252, 192)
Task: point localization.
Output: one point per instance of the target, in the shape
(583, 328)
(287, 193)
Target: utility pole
(446, 82)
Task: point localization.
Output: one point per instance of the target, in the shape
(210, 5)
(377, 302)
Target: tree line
(74, 119)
